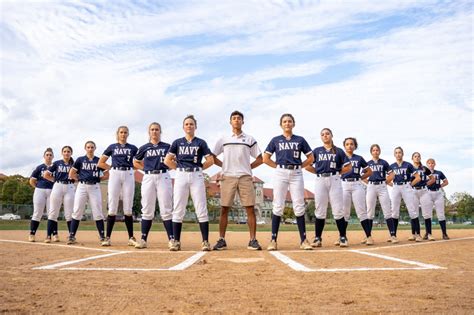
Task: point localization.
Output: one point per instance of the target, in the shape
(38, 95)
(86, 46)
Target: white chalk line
(61, 245)
(71, 262)
(290, 262)
(403, 261)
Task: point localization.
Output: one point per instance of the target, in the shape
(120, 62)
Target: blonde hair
(118, 130)
(153, 124)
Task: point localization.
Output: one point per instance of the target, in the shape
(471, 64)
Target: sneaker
(175, 246)
(445, 237)
(412, 237)
(132, 241)
(389, 240)
(105, 242)
(254, 245)
(425, 237)
(170, 244)
(31, 238)
(317, 242)
(48, 239)
(71, 240)
(337, 242)
(272, 246)
(364, 241)
(394, 240)
(140, 244)
(430, 237)
(370, 241)
(305, 245)
(220, 245)
(343, 242)
(418, 238)
(206, 246)
(56, 238)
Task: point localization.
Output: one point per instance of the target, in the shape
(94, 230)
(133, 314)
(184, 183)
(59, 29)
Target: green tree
(23, 194)
(137, 197)
(310, 207)
(9, 188)
(463, 203)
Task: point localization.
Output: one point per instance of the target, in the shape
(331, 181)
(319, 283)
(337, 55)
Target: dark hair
(190, 117)
(236, 113)
(154, 123)
(374, 146)
(287, 115)
(48, 150)
(71, 160)
(333, 148)
(414, 155)
(353, 140)
(398, 148)
(118, 130)
(90, 141)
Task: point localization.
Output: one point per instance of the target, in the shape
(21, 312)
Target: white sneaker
(317, 242)
(364, 241)
(394, 240)
(175, 246)
(132, 241)
(431, 238)
(343, 242)
(47, 239)
(306, 245)
(105, 242)
(56, 238)
(71, 240)
(418, 238)
(205, 246)
(370, 241)
(272, 246)
(412, 238)
(31, 238)
(140, 244)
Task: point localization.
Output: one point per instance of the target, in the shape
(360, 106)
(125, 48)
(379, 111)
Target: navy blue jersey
(380, 170)
(122, 154)
(288, 152)
(403, 173)
(153, 156)
(87, 169)
(38, 173)
(439, 179)
(189, 154)
(60, 170)
(424, 175)
(326, 162)
(358, 164)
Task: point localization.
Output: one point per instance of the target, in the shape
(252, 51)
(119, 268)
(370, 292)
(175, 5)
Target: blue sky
(387, 72)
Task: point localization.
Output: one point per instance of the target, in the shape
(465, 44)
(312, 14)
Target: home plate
(241, 260)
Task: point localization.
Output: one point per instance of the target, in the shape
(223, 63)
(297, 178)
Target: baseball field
(426, 277)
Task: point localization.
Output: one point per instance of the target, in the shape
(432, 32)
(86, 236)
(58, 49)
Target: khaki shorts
(243, 185)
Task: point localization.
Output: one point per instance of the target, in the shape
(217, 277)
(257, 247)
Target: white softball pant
(380, 191)
(288, 179)
(184, 184)
(121, 184)
(328, 189)
(40, 202)
(354, 192)
(92, 195)
(422, 198)
(437, 200)
(406, 192)
(157, 186)
(61, 194)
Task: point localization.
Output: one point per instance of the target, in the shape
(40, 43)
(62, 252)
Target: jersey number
(332, 165)
(296, 154)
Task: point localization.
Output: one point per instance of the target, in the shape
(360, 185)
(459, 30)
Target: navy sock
(275, 226)
(110, 224)
(74, 227)
(146, 226)
(341, 226)
(428, 226)
(301, 227)
(416, 225)
(443, 226)
(365, 226)
(169, 228)
(177, 230)
(129, 225)
(34, 226)
(413, 228)
(68, 226)
(100, 228)
(49, 228)
(55, 227)
(204, 227)
(391, 230)
(319, 227)
(370, 224)
(395, 225)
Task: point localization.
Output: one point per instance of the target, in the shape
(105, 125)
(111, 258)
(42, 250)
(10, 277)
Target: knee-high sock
(341, 226)
(365, 226)
(68, 226)
(319, 227)
(395, 226)
(428, 226)
(169, 228)
(204, 227)
(177, 230)
(276, 219)
(416, 225)
(370, 224)
(413, 227)
(146, 226)
(100, 228)
(110, 224)
(74, 227)
(34, 226)
(390, 228)
(443, 226)
(129, 225)
(50, 228)
(301, 227)
(55, 227)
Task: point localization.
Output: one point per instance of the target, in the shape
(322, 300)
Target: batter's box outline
(415, 265)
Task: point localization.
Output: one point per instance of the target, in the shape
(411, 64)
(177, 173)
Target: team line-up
(341, 178)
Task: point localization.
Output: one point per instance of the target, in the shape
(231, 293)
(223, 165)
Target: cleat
(370, 241)
(71, 240)
(317, 242)
(343, 242)
(56, 238)
(430, 237)
(418, 238)
(254, 245)
(31, 238)
(364, 241)
(305, 245)
(105, 241)
(170, 244)
(272, 246)
(48, 239)
(445, 237)
(412, 237)
(175, 246)
(337, 243)
(140, 244)
(220, 245)
(394, 240)
(425, 237)
(132, 241)
(205, 246)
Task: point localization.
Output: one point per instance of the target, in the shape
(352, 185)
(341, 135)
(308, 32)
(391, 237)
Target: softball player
(354, 190)
(121, 182)
(377, 188)
(437, 196)
(42, 192)
(422, 197)
(402, 175)
(156, 183)
(62, 193)
(288, 176)
(185, 156)
(86, 170)
(329, 163)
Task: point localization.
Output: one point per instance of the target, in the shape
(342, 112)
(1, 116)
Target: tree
(463, 202)
(9, 188)
(23, 194)
(137, 197)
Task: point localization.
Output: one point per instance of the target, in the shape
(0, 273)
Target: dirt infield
(427, 277)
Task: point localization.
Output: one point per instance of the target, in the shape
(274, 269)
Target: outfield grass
(194, 227)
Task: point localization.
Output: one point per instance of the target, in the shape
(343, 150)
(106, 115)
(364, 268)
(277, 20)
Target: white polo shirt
(237, 150)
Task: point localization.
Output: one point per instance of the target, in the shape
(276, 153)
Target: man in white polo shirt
(237, 177)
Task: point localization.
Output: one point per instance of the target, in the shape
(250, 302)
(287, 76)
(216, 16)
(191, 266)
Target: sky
(395, 73)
